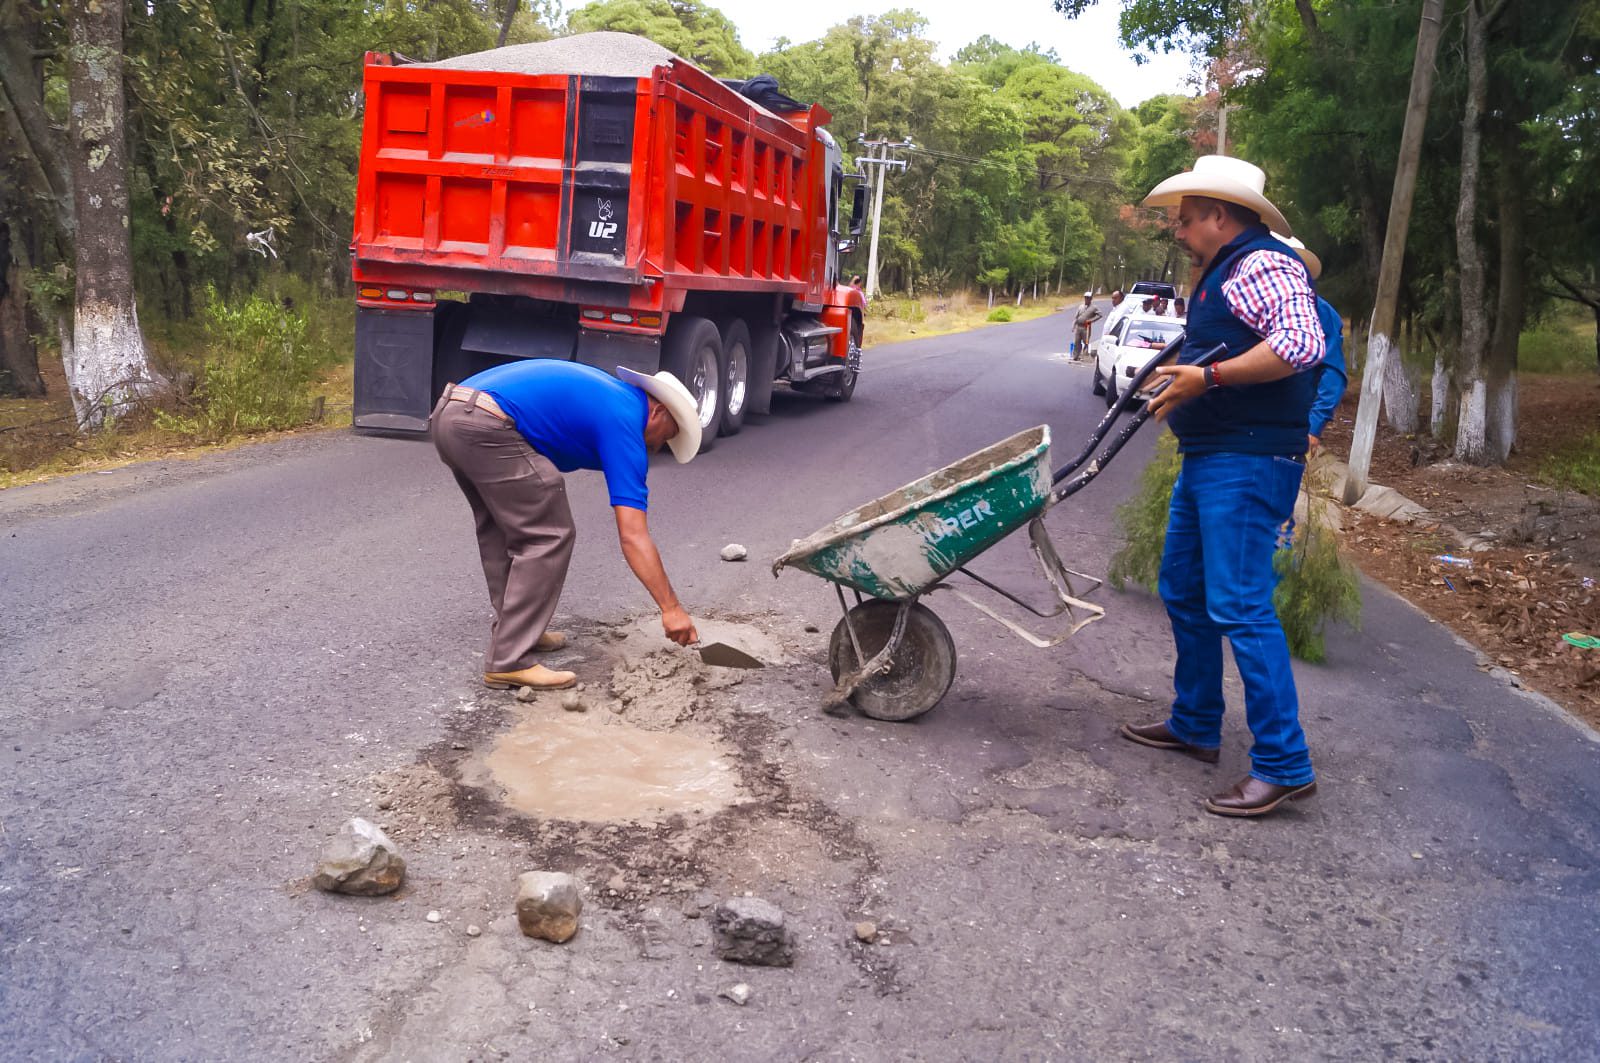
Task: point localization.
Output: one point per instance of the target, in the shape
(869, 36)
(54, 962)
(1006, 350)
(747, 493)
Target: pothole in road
(563, 768)
(646, 750)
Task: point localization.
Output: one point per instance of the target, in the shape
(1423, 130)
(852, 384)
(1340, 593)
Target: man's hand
(1313, 444)
(1184, 383)
(679, 626)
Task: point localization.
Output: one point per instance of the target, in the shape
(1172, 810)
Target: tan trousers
(525, 533)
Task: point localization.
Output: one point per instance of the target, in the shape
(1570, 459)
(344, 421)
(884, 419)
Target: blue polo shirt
(578, 417)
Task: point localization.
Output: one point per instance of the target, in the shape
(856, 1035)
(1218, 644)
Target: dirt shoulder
(1533, 573)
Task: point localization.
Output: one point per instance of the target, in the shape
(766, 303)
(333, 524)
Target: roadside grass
(1562, 342)
(1577, 466)
(893, 318)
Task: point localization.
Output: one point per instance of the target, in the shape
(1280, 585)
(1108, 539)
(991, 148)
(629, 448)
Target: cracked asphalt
(208, 665)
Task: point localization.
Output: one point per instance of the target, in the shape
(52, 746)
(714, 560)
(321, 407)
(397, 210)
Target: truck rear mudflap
(393, 370)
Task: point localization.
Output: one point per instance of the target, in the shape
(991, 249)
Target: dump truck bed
(523, 169)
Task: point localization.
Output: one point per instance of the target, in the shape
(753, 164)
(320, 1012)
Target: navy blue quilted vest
(1270, 418)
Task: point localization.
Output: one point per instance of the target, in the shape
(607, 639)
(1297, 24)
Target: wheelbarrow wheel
(920, 672)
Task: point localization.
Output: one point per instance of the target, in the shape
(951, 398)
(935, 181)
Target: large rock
(548, 905)
(750, 930)
(360, 859)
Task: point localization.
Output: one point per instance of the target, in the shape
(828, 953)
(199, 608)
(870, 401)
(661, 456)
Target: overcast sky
(1087, 45)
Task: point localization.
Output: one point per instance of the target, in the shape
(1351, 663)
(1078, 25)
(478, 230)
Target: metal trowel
(722, 655)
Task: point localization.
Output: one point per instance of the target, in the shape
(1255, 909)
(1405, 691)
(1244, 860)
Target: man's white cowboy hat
(1226, 178)
(670, 392)
(1088, 295)
(1313, 263)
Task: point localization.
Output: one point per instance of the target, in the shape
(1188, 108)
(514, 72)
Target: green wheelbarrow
(890, 655)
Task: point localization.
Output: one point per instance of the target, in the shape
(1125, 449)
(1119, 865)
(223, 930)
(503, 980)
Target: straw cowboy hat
(1313, 263)
(1226, 178)
(670, 392)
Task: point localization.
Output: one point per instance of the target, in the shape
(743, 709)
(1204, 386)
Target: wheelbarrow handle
(1073, 486)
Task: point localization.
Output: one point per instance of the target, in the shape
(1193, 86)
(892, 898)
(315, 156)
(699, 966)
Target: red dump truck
(597, 198)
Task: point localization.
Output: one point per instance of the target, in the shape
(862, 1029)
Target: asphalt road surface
(209, 665)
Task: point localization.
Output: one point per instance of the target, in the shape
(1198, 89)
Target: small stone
(734, 552)
(866, 931)
(691, 910)
(526, 693)
(739, 994)
(434, 917)
(548, 905)
(360, 860)
(812, 629)
(385, 803)
(1416, 856)
(571, 701)
(473, 930)
(751, 930)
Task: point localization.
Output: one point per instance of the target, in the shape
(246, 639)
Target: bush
(1316, 585)
(1142, 520)
(1000, 313)
(258, 371)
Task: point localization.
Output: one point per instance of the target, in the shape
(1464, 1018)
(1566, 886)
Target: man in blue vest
(1241, 426)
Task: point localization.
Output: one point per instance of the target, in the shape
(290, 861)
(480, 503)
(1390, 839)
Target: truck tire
(841, 385)
(692, 352)
(736, 366)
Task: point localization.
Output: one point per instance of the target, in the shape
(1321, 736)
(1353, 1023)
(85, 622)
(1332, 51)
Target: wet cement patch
(558, 767)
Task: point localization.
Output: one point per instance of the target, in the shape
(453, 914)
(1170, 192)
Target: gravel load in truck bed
(603, 54)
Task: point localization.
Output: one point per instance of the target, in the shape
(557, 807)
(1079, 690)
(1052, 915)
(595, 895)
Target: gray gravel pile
(603, 54)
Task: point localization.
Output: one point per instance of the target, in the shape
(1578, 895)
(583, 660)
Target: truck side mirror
(858, 211)
(846, 244)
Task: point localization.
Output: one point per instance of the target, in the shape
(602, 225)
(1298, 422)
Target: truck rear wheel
(692, 352)
(736, 362)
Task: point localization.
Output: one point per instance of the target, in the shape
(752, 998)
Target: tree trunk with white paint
(1399, 392)
(106, 364)
(1509, 307)
(1443, 397)
(1472, 436)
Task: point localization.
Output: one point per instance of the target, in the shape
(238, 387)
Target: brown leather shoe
(539, 677)
(1252, 797)
(550, 642)
(1158, 736)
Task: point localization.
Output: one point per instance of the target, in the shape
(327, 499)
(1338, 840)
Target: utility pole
(1222, 127)
(880, 159)
(1379, 336)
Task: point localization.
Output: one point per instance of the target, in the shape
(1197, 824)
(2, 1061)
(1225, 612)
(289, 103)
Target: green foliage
(258, 371)
(1316, 585)
(1577, 467)
(999, 313)
(1142, 520)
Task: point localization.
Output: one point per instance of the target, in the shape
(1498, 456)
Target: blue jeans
(1229, 514)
